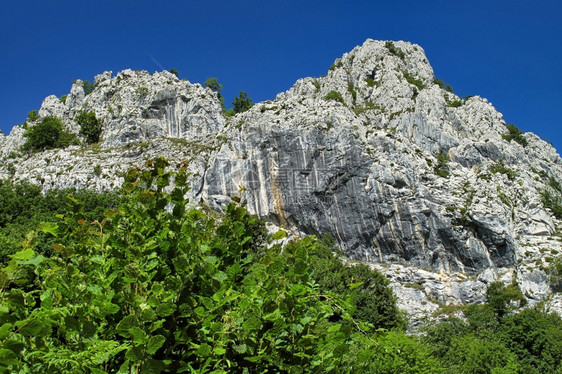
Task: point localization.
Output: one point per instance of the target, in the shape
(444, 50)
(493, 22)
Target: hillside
(434, 190)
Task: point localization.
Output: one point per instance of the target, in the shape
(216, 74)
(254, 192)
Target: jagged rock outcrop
(397, 169)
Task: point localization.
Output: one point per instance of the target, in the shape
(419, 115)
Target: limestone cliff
(404, 174)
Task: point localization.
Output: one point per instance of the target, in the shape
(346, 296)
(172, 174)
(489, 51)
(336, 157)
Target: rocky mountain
(434, 190)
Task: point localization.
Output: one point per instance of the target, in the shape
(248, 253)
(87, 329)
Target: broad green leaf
(341, 350)
(165, 309)
(8, 357)
(241, 349)
(49, 228)
(23, 255)
(355, 285)
(204, 350)
(125, 325)
(334, 328)
(220, 276)
(5, 330)
(31, 327)
(155, 343)
(138, 335)
(219, 351)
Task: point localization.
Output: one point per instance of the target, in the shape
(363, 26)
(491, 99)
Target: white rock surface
(363, 169)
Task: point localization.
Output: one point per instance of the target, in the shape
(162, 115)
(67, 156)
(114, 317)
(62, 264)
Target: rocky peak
(398, 169)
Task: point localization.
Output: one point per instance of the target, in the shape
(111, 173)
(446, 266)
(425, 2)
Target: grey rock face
(399, 170)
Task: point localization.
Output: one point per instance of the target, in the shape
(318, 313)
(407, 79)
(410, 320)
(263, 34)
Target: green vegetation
(47, 134)
(499, 337)
(442, 166)
(214, 85)
(552, 201)
(337, 64)
(515, 134)
(555, 274)
(416, 82)
(154, 285)
(90, 128)
(551, 196)
(242, 102)
(32, 116)
(152, 290)
(455, 103)
(63, 99)
(334, 95)
(395, 50)
(88, 87)
(175, 72)
(371, 82)
(23, 207)
(499, 167)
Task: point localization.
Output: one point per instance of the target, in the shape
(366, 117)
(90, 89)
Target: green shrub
(515, 134)
(416, 82)
(90, 128)
(395, 50)
(32, 116)
(175, 72)
(63, 99)
(439, 82)
(47, 134)
(441, 168)
(242, 102)
(455, 103)
(552, 201)
(150, 289)
(88, 87)
(214, 85)
(334, 95)
(499, 167)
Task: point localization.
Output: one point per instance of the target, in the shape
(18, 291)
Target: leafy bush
(242, 102)
(455, 103)
(214, 85)
(441, 168)
(47, 134)
(175, 72)
(88, 87)
(32, 116)
(395, 50)
(416, 82)
(63, 99)
(552, 201)
(498, 338)
(334, 95)
(499, 167)
(152, 289)
(90, 128)
(439, 82)
(515, 134)
(23, 206)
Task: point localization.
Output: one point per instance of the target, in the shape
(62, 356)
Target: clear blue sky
(509, 51)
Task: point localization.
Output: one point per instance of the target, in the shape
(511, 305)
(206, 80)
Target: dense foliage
(23, 207)
(47, 134)
(90, 127)
(515, 134)
(334, 95)
(242, 102)
(158, 286)
(214, 85)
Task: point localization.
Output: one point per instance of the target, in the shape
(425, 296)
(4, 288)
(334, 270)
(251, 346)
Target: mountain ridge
(403, 173)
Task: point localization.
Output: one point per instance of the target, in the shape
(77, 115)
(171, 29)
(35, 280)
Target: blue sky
(509, 51)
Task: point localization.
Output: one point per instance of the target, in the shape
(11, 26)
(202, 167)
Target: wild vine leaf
(154, 344)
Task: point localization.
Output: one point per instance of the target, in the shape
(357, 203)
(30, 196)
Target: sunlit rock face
(397, 169)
